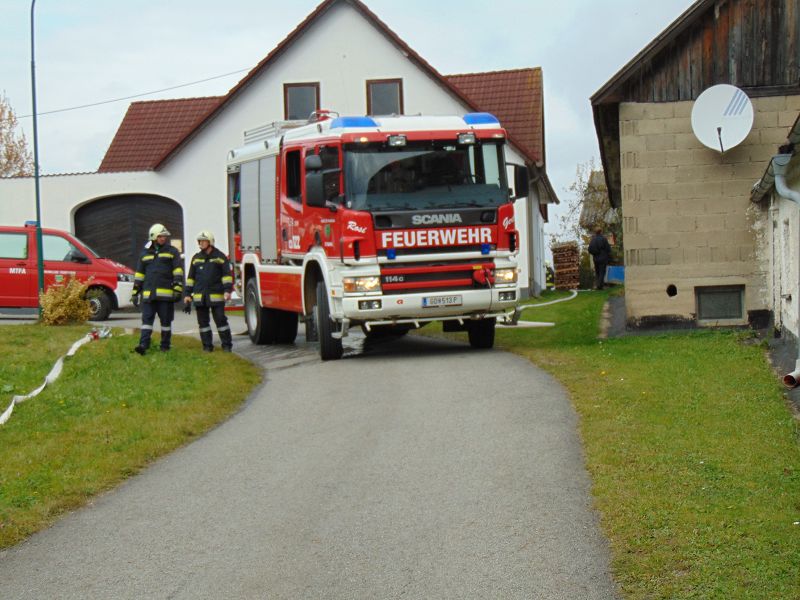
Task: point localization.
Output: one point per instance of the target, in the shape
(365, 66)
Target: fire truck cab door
(322, 221)
(291, 205)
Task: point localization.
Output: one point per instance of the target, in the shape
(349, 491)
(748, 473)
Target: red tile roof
(515, 97)
(152, 128)
(145, 142)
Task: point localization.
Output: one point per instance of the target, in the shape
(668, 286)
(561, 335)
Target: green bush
(65, 304)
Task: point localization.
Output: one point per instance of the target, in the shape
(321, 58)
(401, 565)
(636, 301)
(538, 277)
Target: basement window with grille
(720, 303)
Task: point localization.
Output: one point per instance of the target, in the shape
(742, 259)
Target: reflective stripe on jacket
(159, 273)
(210, 276)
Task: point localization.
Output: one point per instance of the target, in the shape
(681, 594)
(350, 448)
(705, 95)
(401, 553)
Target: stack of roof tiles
(566, 264)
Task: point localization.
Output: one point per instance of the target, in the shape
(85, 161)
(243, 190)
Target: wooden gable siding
(752, 44)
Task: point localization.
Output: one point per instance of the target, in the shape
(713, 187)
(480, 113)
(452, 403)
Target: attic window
(385, 97)
(300, 100)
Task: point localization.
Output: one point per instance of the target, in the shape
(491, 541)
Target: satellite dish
(722, 117)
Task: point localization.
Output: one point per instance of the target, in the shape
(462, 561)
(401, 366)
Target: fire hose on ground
(55, 372)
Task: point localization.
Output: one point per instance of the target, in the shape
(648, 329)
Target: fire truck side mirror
(313, 163)
(521, 182)
(315, 191)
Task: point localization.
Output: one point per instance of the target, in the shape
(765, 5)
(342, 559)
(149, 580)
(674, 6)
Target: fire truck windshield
(424, 175)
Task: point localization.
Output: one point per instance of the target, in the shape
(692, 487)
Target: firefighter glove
(176, 295)
(136, 298)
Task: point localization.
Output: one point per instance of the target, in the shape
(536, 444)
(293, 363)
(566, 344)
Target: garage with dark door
(116, 227)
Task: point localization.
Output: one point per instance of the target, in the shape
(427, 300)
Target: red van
(110, 283)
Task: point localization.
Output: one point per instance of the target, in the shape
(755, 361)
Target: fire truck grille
(431, 277)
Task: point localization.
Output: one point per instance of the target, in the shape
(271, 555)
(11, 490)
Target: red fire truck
(387, 223)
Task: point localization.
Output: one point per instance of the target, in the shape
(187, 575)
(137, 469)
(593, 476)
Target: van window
(13, 245)
(55, 247)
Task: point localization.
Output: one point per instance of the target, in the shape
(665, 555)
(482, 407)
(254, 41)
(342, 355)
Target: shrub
(65, 304)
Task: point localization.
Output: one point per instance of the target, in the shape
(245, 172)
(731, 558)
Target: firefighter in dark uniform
(157, 285)
(209, 286)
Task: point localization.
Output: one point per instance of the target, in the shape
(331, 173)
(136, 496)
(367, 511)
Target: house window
(720, 302)
(385, 97)
(300, 100)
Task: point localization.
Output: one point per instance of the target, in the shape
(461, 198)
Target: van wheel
(481, 333)
(99, 304)
(286, 327)
(329, 347)
(260, 321)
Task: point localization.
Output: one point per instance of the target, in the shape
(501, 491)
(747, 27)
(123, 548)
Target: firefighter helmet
(207, 236)
(157, 230)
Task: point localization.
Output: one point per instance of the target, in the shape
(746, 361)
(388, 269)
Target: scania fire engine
(387, 223)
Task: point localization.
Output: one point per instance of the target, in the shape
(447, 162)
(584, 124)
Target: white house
(167, 160)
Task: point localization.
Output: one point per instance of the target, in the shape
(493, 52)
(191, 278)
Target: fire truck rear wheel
(260, 321)
(329, 347)
(481, 333)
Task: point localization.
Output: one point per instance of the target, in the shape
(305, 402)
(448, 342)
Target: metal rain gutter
(768, 180)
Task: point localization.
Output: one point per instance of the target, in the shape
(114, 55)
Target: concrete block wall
(687, 216)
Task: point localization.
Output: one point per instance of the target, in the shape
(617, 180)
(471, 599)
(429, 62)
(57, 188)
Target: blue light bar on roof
(480, 119)
(344, 122)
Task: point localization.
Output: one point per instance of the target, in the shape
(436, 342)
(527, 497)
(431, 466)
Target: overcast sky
(89, 51)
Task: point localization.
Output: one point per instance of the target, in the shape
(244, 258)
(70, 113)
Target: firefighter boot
(144, 339)
(166, 338)
(207, 338)
(225, 338)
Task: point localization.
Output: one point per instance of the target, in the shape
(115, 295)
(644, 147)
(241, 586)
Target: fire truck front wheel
(329, 347)
(260, 321)
(481, 333)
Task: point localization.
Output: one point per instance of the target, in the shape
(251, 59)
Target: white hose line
(54, 373)
(573, 294)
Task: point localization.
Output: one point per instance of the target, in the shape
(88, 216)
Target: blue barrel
(615, 274)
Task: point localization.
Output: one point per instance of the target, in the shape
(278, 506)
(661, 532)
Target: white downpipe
(780, 164)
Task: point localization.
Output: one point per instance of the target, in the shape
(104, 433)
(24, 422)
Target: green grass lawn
(693, 452)
(109, 414)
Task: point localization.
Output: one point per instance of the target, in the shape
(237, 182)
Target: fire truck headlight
(361, 284)
(127, 277)
(505, 276)
(397, 141)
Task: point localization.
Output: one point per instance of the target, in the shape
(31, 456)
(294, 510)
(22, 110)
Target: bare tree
(569, 223)
(588, 208)
(15, 158)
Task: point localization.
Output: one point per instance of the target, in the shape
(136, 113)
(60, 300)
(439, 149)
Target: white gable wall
(341, 51)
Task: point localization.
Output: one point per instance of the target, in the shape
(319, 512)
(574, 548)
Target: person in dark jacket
(157, 285)
(209, 286)
(600, 250)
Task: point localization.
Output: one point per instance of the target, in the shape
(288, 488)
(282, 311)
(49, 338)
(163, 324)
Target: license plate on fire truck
(437, 301)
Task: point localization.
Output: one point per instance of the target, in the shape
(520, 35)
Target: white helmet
(207, 236)
(157, 230)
